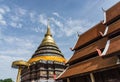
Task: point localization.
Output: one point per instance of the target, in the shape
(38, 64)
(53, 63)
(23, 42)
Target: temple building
(46, 63)
(96, 55)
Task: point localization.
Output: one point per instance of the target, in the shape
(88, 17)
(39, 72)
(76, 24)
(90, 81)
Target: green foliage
(1, 80)
(6, 80)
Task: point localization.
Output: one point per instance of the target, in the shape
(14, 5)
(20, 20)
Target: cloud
(64, 24)
(32, 16)
(16, 25)
(69, 26)
(13, 24)
(20, 11)
(20, 47)
(58, 23)
(18, 20)
(17, 53)
(9, 72)
(43, 19)
(108, 4)
(15, 18)
(18, 41)
(1, 17)
(73, 26)
(39, 29)
(56, 14)
(61, 27)
(7, 58)
(4, 9)
(2, 21)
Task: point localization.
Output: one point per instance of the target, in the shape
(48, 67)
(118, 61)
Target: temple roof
(48, 50)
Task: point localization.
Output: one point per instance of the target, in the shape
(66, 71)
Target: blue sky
(23, 25)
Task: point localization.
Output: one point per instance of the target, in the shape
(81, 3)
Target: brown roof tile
(114, 46)
(114, 27)
(113, 12)
(91, 34)
(90, 49)
(90, 65)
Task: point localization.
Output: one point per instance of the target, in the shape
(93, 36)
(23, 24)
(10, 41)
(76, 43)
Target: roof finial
(103, 9)
(48, 29)
(78, 34)
(48, 23)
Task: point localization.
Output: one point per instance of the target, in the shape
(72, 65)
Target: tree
(6, 80)
(1, 80)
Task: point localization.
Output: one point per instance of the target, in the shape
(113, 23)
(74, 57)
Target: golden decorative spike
(48, 37)
(48, 33)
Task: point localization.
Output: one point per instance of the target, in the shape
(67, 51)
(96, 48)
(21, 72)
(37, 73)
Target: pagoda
(46, 63)
(96, 55)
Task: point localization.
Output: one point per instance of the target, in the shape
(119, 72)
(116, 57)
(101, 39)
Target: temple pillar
(68, 80)
(19, 74)
(92, 77)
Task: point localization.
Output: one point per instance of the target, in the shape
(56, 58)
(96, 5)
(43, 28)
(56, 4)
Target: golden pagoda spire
(48, 36)
(48, 33)
(48, 49)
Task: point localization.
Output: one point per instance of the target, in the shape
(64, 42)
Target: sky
(23, 25)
